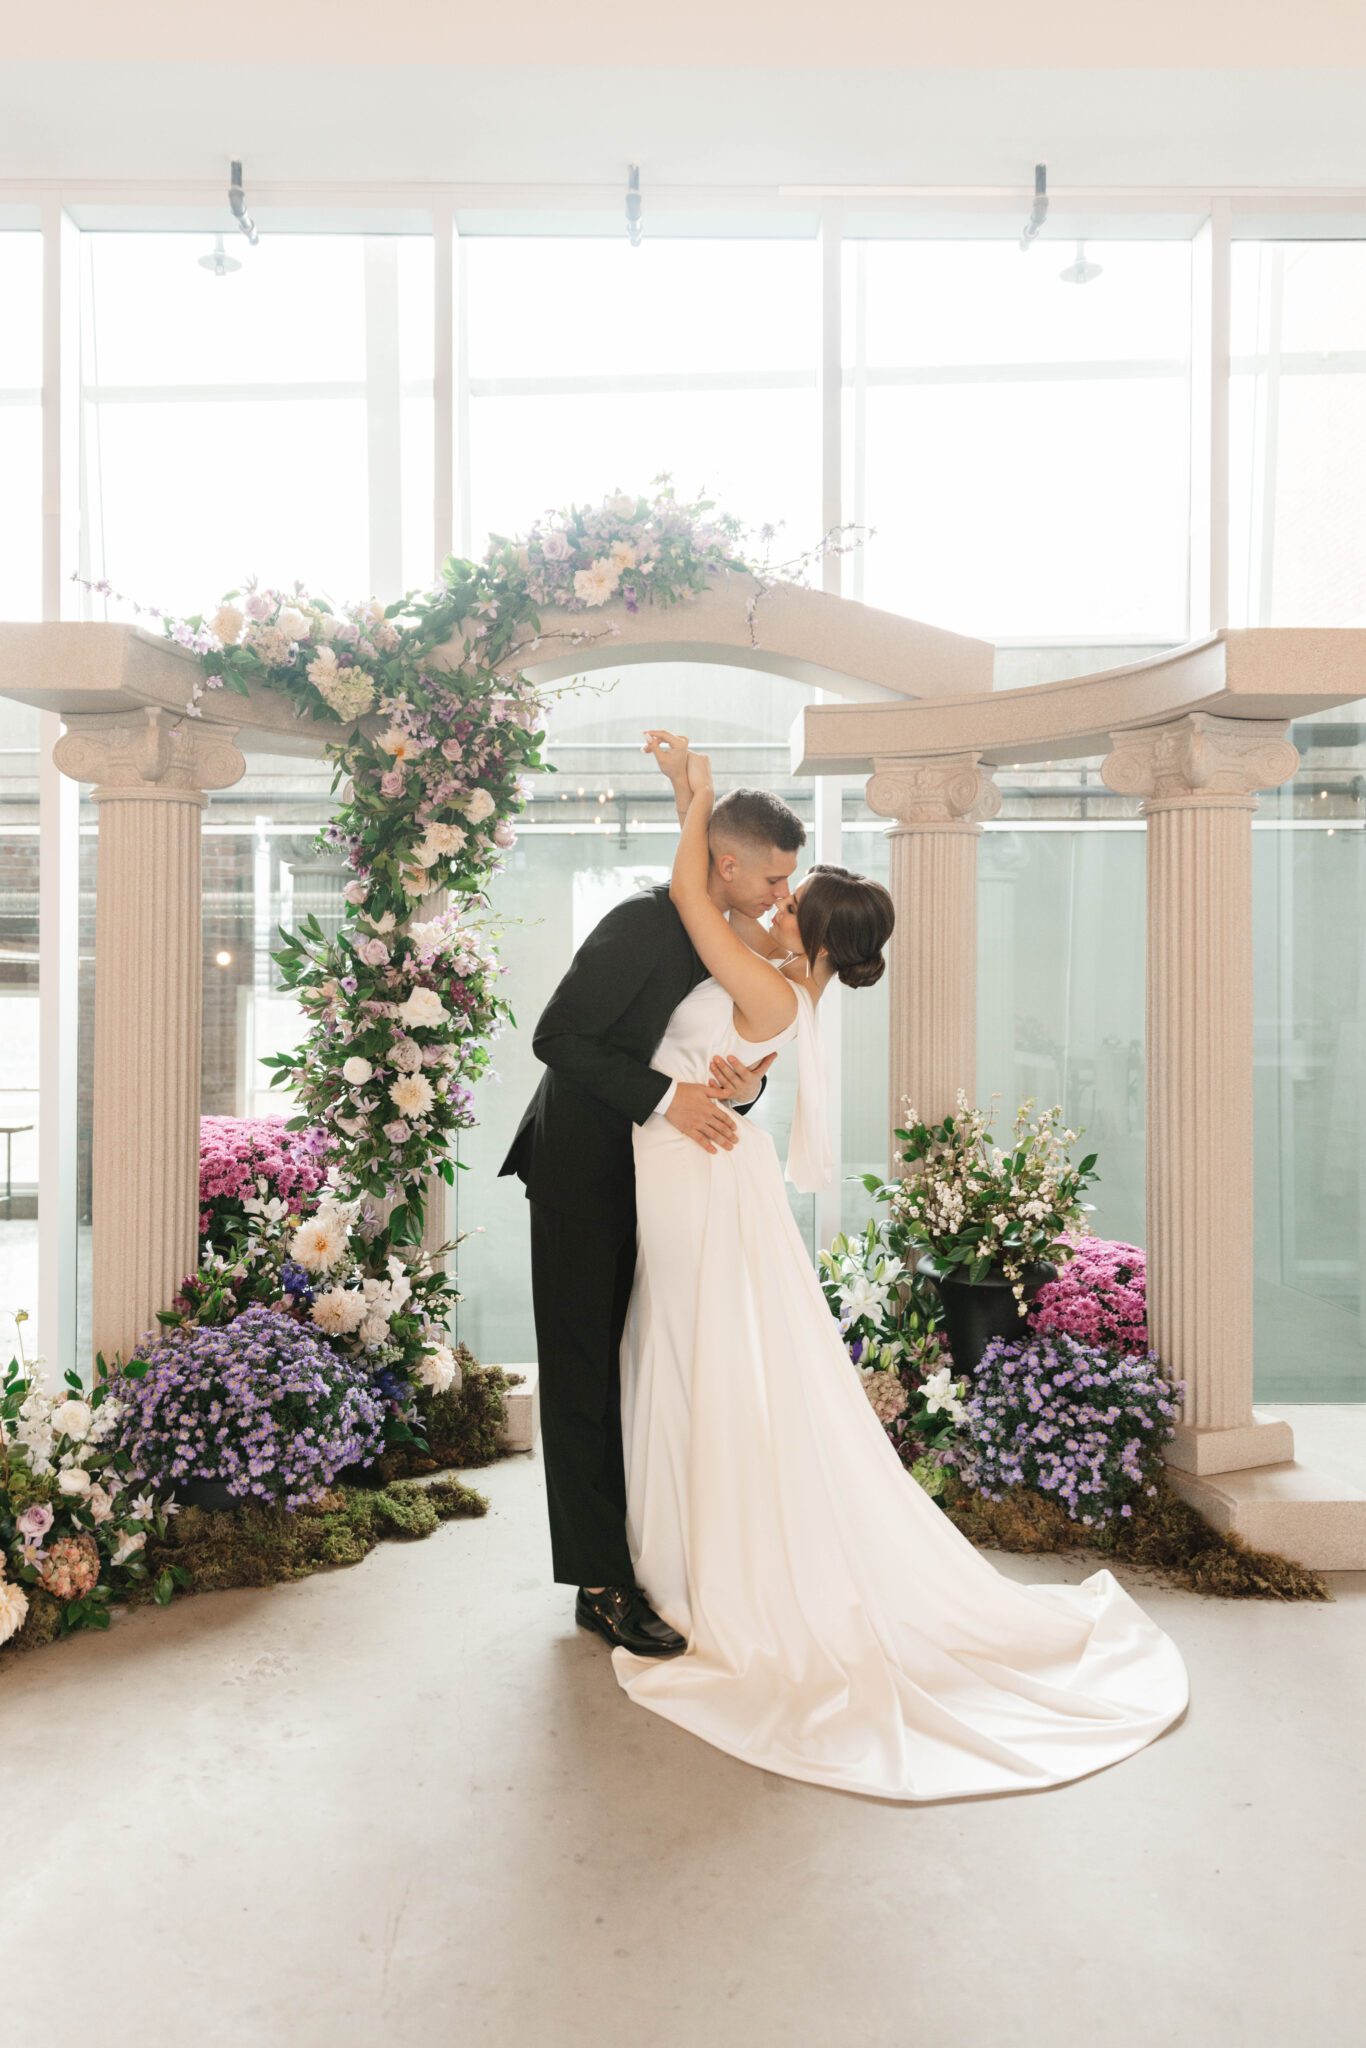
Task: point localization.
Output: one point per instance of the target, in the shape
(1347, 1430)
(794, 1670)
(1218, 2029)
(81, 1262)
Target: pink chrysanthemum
(1100, 1296)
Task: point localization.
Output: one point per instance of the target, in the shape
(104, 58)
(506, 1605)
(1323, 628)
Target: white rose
(226, 624)
(74, 1480)
(622, 506)
(358, 1071)
(423, 1009)
(596, 584)
(479, 806)
(292, 621)
(438, 1369)
(72, 1418)
(100, 1504)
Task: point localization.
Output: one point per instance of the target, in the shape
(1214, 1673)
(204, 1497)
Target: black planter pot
(362, 1475)
(206, 1493)
(975, 1311)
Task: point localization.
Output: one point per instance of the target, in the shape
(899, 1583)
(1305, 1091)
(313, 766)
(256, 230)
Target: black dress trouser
(581, 1274)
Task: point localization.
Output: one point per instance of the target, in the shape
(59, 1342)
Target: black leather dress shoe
(626, 1619)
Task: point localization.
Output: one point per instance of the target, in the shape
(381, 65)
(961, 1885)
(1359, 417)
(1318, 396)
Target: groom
(573, 1152)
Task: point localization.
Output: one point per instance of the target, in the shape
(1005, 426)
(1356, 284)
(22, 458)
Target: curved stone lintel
(952, 792)
(1261, 674)
(811, 636)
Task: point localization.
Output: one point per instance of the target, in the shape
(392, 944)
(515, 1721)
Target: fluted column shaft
(150, 778)
(1198, 777)
(937, 803)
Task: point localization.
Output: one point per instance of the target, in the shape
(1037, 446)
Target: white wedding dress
(840, 1628)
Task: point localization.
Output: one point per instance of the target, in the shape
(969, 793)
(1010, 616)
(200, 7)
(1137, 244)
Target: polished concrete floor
(407, 1804)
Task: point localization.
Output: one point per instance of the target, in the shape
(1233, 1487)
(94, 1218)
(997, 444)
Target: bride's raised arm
(764, 1001)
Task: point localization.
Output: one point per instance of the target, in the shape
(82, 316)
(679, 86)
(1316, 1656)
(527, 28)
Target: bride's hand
(670, 750)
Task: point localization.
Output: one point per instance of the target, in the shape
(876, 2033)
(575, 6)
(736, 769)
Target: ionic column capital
(951, 792)
(149, 754)
(1200, 760)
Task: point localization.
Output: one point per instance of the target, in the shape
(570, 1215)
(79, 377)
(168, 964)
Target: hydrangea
(1072, 1420)
(1100, 1296)
(261, 1403)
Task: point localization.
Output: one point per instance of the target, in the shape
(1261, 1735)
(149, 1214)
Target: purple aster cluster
(1081, 1423)
(261, 1403)
(1100, 1295)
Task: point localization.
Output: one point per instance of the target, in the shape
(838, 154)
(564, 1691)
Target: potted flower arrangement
(990, 1225)
(73, 1526)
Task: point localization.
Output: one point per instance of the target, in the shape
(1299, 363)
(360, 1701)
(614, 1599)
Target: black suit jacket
(595, 1037)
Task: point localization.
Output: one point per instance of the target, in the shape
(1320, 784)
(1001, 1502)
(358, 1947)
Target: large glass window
(21, 425)
(1019, 443)
(593, 365)
(1297, 553)
(274, 420)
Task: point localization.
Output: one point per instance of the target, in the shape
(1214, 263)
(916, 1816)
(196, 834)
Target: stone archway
(1195, 734)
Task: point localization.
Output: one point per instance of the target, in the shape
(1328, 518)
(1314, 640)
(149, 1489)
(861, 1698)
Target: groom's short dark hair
(758, 818)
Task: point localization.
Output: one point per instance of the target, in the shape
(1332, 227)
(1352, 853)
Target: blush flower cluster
(1070, 1420)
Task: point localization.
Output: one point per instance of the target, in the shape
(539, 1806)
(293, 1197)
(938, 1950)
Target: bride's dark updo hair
(850, 918)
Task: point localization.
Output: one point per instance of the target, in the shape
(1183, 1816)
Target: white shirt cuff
(663, 1104)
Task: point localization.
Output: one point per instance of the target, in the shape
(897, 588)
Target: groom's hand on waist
(696, 1111)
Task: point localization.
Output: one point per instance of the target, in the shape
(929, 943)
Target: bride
(839, 1627)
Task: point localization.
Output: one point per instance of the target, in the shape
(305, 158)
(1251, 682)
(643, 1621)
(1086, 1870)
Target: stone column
(938, 804)
(150, 774)
(1198, 777)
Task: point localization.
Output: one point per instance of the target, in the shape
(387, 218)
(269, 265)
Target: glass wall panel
(1309, 910)
(1298, 434)
(21, 597)
(1019, 444)
(19, 1104)
(1059, 982)
(602, 826)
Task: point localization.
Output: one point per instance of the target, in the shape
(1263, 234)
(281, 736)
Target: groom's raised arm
(605, 976)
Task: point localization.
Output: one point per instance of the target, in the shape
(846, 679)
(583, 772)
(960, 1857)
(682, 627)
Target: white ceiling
(365, 125)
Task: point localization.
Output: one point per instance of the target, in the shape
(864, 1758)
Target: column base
(522, 1410)
(1289, 1509)
(1266, 1440)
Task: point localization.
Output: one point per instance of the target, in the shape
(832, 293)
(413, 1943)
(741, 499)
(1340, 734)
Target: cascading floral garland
(437, 730)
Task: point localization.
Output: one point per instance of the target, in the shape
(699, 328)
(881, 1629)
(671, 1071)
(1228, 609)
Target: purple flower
(34, 1522)
(262, 1403)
